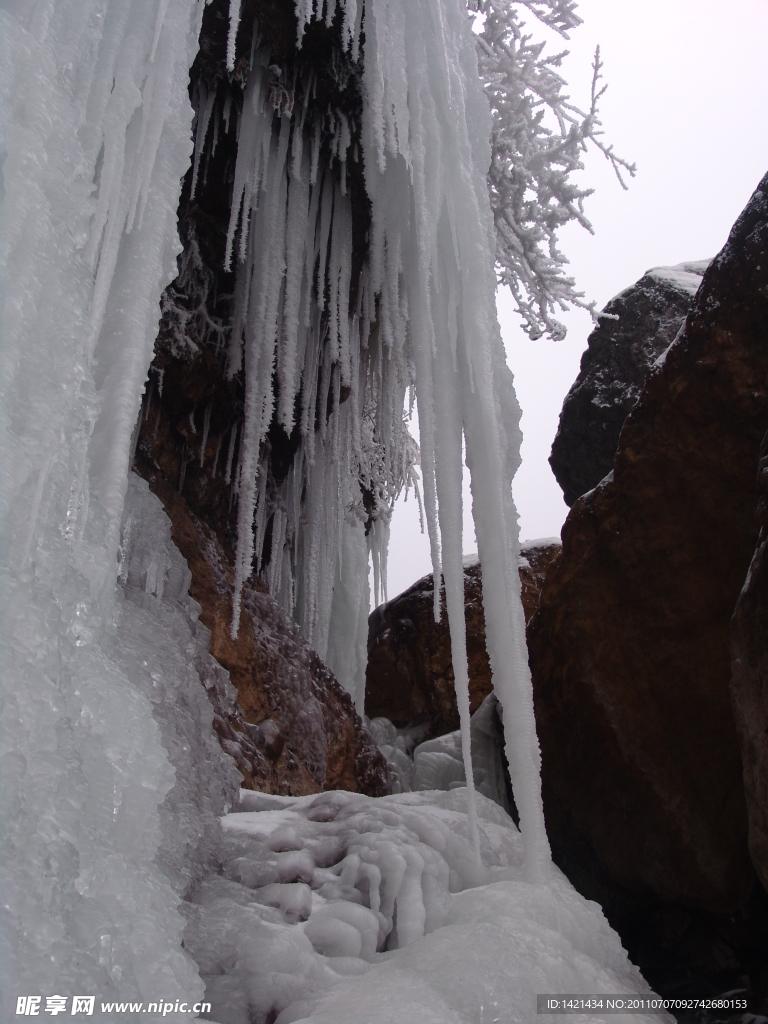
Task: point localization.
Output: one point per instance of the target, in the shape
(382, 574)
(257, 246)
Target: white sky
(687, 101)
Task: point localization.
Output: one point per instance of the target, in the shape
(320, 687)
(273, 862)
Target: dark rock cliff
(639, 324)
(749, 682)
(630, 644)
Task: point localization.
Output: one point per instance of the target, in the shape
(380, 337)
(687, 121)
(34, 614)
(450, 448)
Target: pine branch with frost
(538, 140)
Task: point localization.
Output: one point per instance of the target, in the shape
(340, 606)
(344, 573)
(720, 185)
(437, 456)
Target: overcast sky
(687, 101)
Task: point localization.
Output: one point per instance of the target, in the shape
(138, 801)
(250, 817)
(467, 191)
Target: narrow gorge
(242, 240)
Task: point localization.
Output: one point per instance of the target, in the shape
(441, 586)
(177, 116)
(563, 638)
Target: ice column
(426, 134)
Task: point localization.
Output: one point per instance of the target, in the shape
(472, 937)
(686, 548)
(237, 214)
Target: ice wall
(312, 360)
(95, 138)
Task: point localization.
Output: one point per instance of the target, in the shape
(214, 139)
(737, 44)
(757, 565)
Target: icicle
(315, 151)
(296, 234)
(253, 127)
(230, 454)
(144, 414)
(234, 22)
(425, 131)
(216, 454)
(183, 470)
(161, 12)
(204, 441)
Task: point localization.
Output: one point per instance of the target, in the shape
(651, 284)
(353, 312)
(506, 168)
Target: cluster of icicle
(424, 318)
(95, 139)
(340, 379)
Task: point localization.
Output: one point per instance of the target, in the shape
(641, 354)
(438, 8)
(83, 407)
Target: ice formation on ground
(338, 908)
(439, 763)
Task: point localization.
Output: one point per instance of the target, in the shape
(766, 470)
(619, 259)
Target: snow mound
(337, 908)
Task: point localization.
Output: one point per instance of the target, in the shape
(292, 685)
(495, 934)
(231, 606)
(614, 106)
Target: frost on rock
(340, 908)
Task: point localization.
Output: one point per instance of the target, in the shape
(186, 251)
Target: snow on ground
(339, 908)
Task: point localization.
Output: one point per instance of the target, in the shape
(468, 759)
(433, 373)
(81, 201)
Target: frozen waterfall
(112, 782)
(423, 318)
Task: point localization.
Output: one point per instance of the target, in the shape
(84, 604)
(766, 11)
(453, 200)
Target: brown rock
(629, 646)
(410, 675)
(749, 682)
(295, 729)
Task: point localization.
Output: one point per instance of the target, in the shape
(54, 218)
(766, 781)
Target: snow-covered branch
(537, 143)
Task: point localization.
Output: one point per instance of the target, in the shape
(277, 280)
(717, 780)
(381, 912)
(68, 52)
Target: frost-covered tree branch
(537, 143)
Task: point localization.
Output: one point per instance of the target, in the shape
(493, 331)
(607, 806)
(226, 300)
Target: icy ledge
(313, 887)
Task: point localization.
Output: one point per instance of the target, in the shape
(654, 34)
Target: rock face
(613, 370)
(749, 682)
(294, 729)
(410, 675)
(630, 644)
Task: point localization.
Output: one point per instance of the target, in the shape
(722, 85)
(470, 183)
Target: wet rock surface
(630, 647)
(410, 674)
(639, 325)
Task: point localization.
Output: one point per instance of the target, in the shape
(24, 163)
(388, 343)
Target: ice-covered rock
(438, 763)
